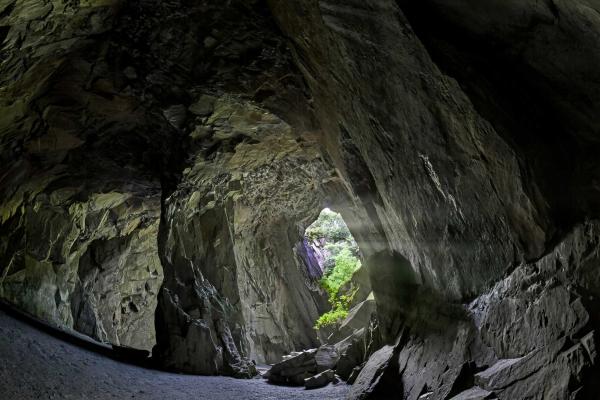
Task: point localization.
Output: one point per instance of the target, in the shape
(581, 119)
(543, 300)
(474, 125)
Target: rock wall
(532, 335)
(451, 127)
(80, 212)
(458, 140)
(419, 154)
(143, 135)
(236, 219)
(89, 264)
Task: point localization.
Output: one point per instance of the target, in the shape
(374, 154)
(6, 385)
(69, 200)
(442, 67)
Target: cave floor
(35, 365)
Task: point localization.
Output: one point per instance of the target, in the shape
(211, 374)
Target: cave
(167, 167)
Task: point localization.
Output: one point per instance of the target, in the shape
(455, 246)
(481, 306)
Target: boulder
(358, 317)
(352, 352)
(298, 366)
(293, 370)
(356, 349)
(319, 380)
(475, 393)
(326, 358)
(379, 376)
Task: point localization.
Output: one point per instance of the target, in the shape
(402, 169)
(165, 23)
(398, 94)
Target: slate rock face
(414, 150)
(453, 161)
(319, 380)
(221, 226)
(326, 358)
(474, 394)
(104, 106)
(294, 370)
(183, 146)
(359, 317)
(78, 222)
(361, 282)
(312, 368)
(89, 263)
(375, 377)
(356, 349)
(197, 348)
(532, 335)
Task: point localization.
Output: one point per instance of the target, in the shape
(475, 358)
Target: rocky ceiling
(161, 159)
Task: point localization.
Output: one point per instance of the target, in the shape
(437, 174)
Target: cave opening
(334, 251)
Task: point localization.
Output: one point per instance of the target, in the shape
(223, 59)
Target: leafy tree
(329, 226)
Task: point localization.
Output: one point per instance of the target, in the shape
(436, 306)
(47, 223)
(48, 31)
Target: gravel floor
(35, 365)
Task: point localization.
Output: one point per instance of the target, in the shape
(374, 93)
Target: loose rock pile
(343, 360)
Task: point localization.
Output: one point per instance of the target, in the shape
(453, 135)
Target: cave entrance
(333, 248)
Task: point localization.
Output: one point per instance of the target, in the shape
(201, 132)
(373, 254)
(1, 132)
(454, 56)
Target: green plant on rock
(331, 318)
(345, 265)
(329, 226)
(340, 262)
(340, 306)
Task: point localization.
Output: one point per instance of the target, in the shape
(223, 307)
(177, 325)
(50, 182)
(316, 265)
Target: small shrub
(340, 306)
(331, 318)
(329, 226)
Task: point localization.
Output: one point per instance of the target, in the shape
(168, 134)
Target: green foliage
(333, 236)
(329, 226)
(345, 265)
(331, 318)
(341, 261)
(340, 305)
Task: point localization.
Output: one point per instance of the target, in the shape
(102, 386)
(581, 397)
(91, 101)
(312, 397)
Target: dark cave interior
(162, 164)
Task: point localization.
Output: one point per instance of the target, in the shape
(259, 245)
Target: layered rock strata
(235, 221)
(177, 137)
(104, 106)
(473, 167)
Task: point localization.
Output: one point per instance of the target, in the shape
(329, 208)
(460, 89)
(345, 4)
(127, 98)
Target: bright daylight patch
(338, 255)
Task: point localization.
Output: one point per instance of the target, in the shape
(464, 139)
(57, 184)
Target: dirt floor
(35, 365)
